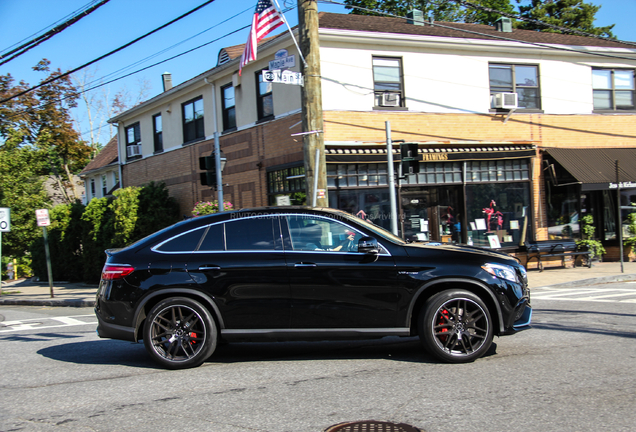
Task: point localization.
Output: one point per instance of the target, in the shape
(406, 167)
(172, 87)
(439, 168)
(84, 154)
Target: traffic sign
(283, 77)
(5, 219)
(42, 216)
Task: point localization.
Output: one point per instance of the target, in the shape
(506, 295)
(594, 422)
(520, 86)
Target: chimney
(167, 81)
(415, 16)
(503, 24)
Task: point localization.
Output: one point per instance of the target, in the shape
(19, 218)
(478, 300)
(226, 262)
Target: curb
(592, 281)
(51, 302)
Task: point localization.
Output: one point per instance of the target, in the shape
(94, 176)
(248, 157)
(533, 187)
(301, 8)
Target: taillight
(116, 271)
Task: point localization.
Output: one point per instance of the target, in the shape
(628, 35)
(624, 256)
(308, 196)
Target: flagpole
(290, 32)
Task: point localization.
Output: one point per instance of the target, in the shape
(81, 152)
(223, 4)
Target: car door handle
(302, 264)
(209, 268)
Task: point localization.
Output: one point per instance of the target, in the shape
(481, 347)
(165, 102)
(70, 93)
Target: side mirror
(368, 245)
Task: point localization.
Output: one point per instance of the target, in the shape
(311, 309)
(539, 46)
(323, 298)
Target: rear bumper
(113, 331)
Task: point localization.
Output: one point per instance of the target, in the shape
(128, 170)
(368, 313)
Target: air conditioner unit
(505, 100)
(133, 150)
(390, 100)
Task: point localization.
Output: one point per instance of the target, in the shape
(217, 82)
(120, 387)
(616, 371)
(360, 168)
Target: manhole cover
(372, 426)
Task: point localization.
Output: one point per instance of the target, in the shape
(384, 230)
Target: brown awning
(595, 169)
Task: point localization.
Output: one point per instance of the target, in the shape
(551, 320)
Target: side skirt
(312, 334)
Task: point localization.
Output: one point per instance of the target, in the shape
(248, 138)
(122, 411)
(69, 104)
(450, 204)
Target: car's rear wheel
(455, 326)
(179, 333)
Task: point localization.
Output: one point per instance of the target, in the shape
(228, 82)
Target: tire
(455, 326)
(179, 333)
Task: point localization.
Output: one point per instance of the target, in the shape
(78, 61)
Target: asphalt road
(574, 371)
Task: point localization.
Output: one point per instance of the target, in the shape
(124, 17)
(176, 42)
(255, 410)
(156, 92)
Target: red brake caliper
(443, 319)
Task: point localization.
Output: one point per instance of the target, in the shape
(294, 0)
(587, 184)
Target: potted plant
(630, 242)
(594, 246)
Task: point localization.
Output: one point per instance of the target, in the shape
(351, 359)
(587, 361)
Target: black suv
(296, 273)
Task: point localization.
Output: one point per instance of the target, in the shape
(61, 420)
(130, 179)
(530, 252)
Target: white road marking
(45, 323)
(585, 294)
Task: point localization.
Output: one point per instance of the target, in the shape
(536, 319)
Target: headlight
(501, 271)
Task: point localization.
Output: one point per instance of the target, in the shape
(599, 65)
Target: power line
(541, 23)
(508, 39)
(48, 35)
(50, 80)
(50, 26)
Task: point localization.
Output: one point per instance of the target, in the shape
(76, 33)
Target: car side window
(250, 234)
(312, 233)
(187, 242)
(214, 239)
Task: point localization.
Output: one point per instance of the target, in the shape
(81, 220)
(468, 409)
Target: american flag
(266, 18)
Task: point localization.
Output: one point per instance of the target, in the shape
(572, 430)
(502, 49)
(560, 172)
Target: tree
(573, 14)
(40, 121)
(449, 11)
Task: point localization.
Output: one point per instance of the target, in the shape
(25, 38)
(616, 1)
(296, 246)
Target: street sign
(5, 219)
(283, 77)
(283, 63)
(42, 216)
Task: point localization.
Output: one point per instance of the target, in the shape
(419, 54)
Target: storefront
(477, 194)
(580, 183)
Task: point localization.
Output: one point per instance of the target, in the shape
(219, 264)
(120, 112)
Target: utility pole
(311, 97)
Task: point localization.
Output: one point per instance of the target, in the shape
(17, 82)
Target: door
(333, 285)
(242, 265)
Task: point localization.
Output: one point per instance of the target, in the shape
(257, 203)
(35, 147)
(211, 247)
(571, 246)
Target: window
(387, 82)
(157, 129)
(264, 97)
(115, 178)
(193, 120)
(186, 242)
(313, 233)
(352, 175)
(250, 234)
(93, 188)
(613, 89)
(104, 185)
(133, 141)
(520, 79)
(229, 108)
(286, 181)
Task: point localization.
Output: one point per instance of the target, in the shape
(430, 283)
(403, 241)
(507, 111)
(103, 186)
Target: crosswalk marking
(47, 323)
(606, 294)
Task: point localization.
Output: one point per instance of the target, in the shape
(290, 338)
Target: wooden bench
(555, 248)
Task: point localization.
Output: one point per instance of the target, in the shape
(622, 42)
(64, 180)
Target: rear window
(250, 234)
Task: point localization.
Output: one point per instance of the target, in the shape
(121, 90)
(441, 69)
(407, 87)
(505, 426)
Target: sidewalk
(28, 293)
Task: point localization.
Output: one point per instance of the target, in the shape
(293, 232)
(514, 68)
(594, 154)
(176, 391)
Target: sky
(118, 22)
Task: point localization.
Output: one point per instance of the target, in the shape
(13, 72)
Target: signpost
(42, 217)
(283, 77)
(5, 226)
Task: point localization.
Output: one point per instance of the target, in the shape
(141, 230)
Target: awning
(377, 153)
(595, 169)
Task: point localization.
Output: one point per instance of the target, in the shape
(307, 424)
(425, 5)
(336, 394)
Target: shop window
(388, 85)
(193, 120)
(372, 205)
(288, 181)
(264, 97)
(517, 78)
(613, 89)
(497, 170)
(354, 175)
(228, 105)
(498, 213)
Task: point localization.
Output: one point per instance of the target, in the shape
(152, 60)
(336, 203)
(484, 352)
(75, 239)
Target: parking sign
(5, 219)
(42, 216)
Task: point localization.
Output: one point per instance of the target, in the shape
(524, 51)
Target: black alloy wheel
(456, 326)
(179, 333)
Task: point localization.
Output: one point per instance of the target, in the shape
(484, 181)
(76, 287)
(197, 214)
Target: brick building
(518, 130)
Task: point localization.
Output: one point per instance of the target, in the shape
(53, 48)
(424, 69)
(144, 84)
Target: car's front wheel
(179, 333)
(455, 326)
